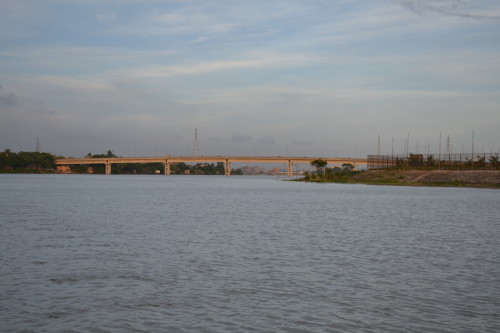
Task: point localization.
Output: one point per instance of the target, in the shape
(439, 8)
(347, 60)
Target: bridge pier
(108, 168)
(290, 171)
(167, 168)
(227, 168)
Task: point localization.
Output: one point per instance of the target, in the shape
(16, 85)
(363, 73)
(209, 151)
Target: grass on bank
(330, 176)
(385, 177)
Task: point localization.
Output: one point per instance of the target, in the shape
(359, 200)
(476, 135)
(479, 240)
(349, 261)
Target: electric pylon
(196, 149)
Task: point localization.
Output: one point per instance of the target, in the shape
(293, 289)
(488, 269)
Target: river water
(95, 253)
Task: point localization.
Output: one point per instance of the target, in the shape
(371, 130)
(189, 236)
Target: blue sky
(255, 77)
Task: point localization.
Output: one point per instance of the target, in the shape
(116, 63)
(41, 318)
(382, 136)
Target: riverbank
(452, 178)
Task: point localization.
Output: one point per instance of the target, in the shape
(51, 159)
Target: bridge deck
(227, 160)
(213, 159)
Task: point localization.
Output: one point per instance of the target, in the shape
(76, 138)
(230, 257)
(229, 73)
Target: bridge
(227, 160)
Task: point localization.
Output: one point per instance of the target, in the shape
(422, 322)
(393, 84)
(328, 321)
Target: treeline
(335, 175)
(153, 168)
(35, 162)
(29, 162)
(149, 168)
(342, 174)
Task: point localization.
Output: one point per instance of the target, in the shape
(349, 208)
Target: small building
(63, 169)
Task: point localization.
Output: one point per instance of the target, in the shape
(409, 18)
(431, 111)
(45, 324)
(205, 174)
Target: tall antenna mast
(37, 145)
(196, 149)
(472, 144)
(378, 146)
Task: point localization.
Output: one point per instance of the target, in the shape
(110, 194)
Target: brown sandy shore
(460, 178)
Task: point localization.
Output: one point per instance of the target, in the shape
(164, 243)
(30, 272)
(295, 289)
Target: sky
(286, 78)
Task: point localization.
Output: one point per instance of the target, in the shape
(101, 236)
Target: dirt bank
(477, 178)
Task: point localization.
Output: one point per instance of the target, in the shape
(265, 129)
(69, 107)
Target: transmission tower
(448, 145)
(37, 145)
(196, 149)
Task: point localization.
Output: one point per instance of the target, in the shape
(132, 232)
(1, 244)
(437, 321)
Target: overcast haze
(255, 77)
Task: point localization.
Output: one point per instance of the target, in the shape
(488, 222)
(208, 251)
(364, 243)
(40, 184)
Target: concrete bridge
(227, 160)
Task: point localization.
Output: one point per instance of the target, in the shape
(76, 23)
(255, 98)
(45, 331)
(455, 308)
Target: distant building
(63, 169)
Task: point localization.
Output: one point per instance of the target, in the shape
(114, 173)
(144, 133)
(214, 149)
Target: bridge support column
(290, 171)
(227, 168)
(108, 168)
(167, 168)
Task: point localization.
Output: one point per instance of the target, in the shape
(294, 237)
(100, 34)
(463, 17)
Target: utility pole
(472, 161)
(378, 146)
(196, 149)
(439, 162)
(472, 144)
(407, 143)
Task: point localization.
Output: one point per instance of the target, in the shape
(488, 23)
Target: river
(96, 253)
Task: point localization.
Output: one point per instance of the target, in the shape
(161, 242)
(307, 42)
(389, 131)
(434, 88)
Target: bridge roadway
(227, 160)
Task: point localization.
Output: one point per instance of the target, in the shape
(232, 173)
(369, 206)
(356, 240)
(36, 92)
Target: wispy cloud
(77, 85)
(7, 99)
(470, 9)
(240, 137)
(258, 61)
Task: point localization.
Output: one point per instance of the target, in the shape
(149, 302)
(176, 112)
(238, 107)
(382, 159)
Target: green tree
(26, 161)
(319, 164)
(8, 160)
(480, 161)
(415, 160)
(430, 161)
(494, 161)
(109, 153)
(347, 166)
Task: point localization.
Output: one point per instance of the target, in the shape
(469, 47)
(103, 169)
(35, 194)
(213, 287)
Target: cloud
(276, 73)
(81, 85)
(259, 60)
(266, 140)
(473, 9)
(106, 17)
(8, 99)
(302, 143)
(167, 21)
(238, 137)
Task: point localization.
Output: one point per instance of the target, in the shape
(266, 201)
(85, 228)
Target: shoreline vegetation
(36, 162)
(438, 178)
(43, 163)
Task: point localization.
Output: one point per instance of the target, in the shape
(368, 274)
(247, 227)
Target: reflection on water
(240, 254)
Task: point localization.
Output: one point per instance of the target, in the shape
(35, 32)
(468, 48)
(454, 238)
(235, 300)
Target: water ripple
(244, 254)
